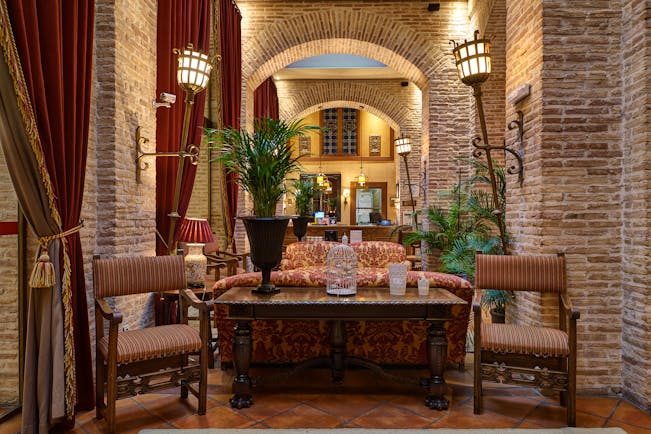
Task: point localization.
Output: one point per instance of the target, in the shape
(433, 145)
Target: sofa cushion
(305, 254)
(370, 254)
(378, 254)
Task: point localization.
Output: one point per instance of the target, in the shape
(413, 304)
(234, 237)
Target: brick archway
(313, 48)
(329, 46)
(366, 32)
(348, 104)
(402, 35)
(391, 107)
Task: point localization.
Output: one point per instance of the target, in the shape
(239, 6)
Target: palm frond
(262, 159)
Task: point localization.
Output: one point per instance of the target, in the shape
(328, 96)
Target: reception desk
(369, 232)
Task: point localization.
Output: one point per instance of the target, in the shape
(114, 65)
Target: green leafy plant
(262, 159)
(450, 227)
(460, 259)
(482, 204)
(304, 192)
(496, 300)
(468, 225)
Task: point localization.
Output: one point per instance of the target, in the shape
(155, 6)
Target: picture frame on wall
(305, 145)
(374, 145)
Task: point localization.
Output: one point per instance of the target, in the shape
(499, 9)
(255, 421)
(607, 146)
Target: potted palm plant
(495, 301)
(304, 192)
(262, 160)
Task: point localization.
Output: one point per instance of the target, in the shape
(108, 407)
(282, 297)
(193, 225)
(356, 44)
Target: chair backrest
(540, 273)
(137, 274)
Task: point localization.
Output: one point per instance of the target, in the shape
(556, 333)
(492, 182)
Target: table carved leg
(338, 350)
(241, 361)
(437, 349)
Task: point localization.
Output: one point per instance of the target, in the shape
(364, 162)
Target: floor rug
(388, 431)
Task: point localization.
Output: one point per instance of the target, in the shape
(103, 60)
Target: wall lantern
(403, 148)
(193, 73)
(473, 62)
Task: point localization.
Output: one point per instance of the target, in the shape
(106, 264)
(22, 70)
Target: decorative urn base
(266, 236)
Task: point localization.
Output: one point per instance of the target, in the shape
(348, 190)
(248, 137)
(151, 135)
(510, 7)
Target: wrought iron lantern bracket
(191, 152)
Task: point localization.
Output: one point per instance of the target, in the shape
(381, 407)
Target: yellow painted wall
(371, 125)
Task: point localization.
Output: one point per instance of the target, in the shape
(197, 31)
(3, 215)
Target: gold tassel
(43, 272)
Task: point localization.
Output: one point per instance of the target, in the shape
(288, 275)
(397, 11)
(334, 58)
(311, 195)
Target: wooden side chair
(149, 359)
(219, 259)
(541, 357)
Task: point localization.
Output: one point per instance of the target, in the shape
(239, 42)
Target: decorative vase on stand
(266, 236)
(299, 226)
(195, 265)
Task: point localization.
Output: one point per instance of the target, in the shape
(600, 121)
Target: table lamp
(195, 232)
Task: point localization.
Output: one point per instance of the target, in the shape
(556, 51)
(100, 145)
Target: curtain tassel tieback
(43, 272)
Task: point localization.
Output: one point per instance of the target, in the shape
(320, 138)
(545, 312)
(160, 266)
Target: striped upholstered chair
(148, 359)
(542, 357)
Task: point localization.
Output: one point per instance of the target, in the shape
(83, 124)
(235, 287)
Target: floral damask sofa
(384, 342)
(372, 256)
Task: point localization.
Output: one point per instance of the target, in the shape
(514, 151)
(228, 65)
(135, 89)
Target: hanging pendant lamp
(321, 178)
(361, 178)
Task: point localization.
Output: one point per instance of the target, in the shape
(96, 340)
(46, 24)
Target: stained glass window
(349, 131)
(340, 135)
(331, 133)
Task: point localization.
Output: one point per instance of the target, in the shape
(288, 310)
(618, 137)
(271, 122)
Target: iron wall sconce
(519, 169)
(191, 152)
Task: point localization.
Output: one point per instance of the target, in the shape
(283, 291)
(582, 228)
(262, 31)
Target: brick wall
(9, 392)
(636, 194)
(570, 200)
(524, 210)
(125, 86)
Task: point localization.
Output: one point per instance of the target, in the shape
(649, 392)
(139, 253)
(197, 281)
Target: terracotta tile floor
(364, 400)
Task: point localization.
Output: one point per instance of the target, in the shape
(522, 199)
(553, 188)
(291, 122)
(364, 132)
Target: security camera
(167, 99)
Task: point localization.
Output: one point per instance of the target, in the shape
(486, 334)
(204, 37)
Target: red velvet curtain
(265, 100)
(231, 67)
(55, 43)
(179, 22)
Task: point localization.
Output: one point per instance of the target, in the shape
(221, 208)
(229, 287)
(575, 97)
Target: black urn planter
(299, 226)
(266, 235)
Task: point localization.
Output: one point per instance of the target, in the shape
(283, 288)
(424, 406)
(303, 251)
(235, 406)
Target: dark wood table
(313, 303)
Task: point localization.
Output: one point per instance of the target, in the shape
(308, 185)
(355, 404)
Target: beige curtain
(44, 377)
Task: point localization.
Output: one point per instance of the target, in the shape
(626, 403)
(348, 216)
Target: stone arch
(375, 100)
(329, 46)
(379, 36)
